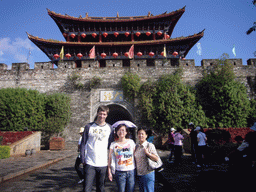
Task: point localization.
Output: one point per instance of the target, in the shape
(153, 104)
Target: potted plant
(57, 143)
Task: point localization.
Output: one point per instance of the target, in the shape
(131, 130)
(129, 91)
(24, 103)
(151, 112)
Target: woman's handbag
(154, 164)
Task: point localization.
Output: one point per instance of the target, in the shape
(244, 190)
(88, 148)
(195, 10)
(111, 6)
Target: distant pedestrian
(151, 135)
(193, 138)
(178, 138)
(201, 149)
(170, 143)
(78, 159)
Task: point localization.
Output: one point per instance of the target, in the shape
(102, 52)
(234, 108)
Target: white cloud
(17, 49)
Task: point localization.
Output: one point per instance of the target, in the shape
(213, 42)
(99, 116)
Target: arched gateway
(119, 109)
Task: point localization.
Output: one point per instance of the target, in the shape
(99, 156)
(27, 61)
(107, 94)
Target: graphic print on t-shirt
(124, 155)
(98, 133)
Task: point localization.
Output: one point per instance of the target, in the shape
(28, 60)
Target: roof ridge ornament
(149, 14)
(117, 15)
(86, 15)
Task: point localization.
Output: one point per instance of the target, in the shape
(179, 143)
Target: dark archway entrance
(117, 113)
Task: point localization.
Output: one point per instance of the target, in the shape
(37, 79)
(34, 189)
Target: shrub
(4, 152)
(131, 85)
(169, 103)
(21, 108)
(223, 99)
(217, 136)
(57, 113)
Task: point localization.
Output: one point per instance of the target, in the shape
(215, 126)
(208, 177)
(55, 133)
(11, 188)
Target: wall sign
(107, 96)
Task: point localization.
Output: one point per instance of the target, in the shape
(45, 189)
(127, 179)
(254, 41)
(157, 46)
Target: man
(78, 160)
(96, 140)
(193, 138)
(170, 142)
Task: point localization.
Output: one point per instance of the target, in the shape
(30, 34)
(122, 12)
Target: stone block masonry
(84, 101)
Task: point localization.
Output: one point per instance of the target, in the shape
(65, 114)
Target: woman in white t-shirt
(201, 149)
(122, 150)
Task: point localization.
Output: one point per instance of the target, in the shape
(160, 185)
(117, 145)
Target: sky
(225, 23)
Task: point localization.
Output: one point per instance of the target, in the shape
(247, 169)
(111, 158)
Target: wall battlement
(122, 63)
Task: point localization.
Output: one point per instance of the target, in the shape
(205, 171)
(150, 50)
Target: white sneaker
(81, 181)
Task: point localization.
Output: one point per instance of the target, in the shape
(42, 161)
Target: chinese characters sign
(107, 96)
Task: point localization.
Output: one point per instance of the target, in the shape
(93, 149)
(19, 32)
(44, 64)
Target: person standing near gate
(78, 159)
(96, 140)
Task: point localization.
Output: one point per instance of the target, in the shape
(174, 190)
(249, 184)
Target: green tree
(20, 108)
(57, 113)
(223, 99)
(169, 103)
(131, 85)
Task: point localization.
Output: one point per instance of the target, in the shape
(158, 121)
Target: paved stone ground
(58, 174)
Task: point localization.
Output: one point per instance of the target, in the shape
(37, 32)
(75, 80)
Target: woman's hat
(81, 130)
(172, 129)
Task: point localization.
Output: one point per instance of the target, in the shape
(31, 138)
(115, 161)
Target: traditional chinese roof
(167, 20)
(66, 17)
(180, 44)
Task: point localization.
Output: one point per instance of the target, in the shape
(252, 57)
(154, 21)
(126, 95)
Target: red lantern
(73, 35)
(105, 34)
(65, 34)
(94, 35)
(162, 53)
(148, 33)
(83, 35)
(139, 54)
(175, 53)
(137, 34)
(103, 55)
(126, 34)
(79, 55)
(183, 58)
(56, 56)
(116, 34)
(159, 33)
(68, 55)
(167, 36)
(115, 54)
(151, 54)
(126, 54)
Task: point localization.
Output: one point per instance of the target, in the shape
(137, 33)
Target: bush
(169, 103)
(4, 152)
(57, 113)
(131, 85)
(21, 108)
(223, 99)
(217, 136)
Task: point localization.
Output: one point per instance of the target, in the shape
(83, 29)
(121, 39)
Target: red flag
(92, 53)
(131, 52)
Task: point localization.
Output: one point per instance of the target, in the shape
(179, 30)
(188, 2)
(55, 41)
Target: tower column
(132, 36)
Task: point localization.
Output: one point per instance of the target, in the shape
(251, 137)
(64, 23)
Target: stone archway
(117, 113)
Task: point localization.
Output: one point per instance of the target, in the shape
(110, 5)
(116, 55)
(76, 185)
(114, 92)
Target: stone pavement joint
(19, 165)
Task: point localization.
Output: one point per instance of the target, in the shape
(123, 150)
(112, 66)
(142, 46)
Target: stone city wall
(45, 79)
